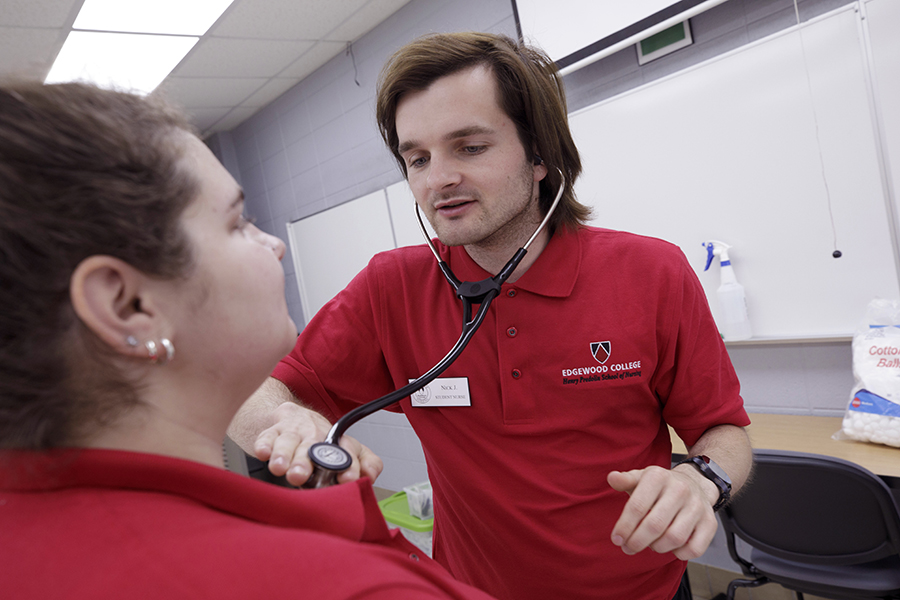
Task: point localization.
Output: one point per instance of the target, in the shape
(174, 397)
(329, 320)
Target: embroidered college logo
(600, 351)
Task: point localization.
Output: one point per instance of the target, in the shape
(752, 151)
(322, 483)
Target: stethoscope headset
(329, 459)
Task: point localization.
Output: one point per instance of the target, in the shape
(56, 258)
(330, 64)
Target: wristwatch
(714, 473)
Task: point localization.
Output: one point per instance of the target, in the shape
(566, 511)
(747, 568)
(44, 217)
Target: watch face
(716, 474)
(717, 470)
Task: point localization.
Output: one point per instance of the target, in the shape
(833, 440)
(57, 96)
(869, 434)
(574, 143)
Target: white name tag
(446, 391)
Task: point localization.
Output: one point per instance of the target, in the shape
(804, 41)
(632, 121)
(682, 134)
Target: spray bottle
(734, 323)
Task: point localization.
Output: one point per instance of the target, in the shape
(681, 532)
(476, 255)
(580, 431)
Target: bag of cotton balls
(873, 413)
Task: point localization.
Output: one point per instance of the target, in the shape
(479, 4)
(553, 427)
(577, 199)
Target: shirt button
(414, 556)
(511, 293)
(512, 332)
(516, 373)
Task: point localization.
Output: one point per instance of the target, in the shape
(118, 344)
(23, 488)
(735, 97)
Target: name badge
(445, 391)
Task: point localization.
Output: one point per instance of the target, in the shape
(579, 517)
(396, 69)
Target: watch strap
(701, 463)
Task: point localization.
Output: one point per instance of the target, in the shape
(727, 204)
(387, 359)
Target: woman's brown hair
(83, 171)
(531, 94)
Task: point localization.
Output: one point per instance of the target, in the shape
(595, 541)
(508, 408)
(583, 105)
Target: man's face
(465, 164)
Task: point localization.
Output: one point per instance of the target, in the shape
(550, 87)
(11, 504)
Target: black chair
(817, 525)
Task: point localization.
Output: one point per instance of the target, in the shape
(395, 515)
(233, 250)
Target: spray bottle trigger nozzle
(709, 255)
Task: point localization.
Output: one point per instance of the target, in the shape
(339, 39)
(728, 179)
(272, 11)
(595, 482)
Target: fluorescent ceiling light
(174, 17)
(133, 62)
(110, 46)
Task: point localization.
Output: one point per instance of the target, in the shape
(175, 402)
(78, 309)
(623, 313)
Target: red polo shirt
(575, 372)
(93, 524)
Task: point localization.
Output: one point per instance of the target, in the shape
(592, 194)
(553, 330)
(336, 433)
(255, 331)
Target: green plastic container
(396, 512)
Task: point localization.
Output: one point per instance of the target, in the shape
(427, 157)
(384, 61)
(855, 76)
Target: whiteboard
(329, 248)
(883, 18)
(734, 149)
(403, 216)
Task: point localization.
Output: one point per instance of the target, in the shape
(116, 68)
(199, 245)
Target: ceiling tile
(314, 58)
(38, 13)
(365, 19)
(27, 52)
(220, 57)
(205, 118)
(270, 91)
(234, 118)
(284, 19)
(212, 92)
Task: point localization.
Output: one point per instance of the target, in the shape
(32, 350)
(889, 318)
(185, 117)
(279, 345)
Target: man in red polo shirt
(551, 459)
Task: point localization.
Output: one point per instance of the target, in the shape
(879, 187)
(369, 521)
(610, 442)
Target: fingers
(365, 462)
(370, 464)
(704, 532)
(290, 456)
(286, 453)
(262, 447)
(285, 445)
(666, 512)
(628, 532)
(623, 482)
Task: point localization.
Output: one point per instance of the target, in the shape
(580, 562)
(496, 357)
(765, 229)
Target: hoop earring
(151, 350)
(170, 350)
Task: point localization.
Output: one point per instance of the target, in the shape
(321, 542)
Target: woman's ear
(106, 295)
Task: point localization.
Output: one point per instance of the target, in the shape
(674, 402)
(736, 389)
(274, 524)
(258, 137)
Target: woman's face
(231, 319)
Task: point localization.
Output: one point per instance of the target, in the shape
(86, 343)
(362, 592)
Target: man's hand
(668, 511)
(286, 443)
(273, 426)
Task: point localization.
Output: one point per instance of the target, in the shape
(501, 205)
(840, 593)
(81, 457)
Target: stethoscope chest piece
(330, 456)
(328, 460)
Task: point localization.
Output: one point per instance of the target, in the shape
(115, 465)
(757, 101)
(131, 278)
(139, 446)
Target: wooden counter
(802, 433)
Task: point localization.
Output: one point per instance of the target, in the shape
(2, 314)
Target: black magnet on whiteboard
(836, 254)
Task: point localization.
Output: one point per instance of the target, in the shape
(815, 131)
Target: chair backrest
(814, 509)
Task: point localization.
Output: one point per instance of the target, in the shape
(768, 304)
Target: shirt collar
(553, 274)
(348, 510)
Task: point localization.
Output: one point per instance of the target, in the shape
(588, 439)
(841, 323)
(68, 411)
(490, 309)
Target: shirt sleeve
(337, 362)
(696, 381)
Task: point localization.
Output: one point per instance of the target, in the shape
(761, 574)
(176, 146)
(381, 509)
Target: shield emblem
(600, 351)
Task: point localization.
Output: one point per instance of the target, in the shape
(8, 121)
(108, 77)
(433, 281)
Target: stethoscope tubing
(482, 292)
(360, 412)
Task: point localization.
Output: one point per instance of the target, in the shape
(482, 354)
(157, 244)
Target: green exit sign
(666, 41)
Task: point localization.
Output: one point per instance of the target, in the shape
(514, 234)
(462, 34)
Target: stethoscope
(329, 459)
